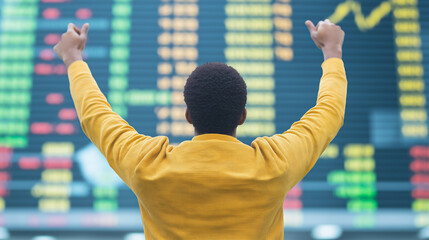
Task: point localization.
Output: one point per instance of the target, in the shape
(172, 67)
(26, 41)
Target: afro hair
(215, 95)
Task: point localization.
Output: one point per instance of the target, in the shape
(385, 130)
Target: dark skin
(234, 133)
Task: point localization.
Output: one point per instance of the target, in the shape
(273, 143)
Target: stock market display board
(374, 175)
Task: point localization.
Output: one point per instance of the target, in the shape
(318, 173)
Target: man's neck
(233, 134)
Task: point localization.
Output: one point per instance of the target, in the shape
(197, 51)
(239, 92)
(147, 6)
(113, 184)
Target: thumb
(84, 30)
(310, 26)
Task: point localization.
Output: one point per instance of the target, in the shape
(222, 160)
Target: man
(213, 187)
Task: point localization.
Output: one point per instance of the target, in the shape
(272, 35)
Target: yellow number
(412, 85)
(358, 150)
(417, 100)
(420, 131)
(414, 115)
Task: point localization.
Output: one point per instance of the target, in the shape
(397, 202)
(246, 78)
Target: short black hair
(215, 95)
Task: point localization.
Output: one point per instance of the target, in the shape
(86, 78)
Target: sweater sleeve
(122, 146)
(301, 145)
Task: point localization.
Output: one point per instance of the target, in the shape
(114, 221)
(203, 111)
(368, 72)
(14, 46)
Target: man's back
(212, 187)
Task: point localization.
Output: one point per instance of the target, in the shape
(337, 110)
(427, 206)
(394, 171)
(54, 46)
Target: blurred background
(372, 182)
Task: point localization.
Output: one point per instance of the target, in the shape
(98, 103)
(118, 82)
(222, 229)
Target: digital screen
(374, 175)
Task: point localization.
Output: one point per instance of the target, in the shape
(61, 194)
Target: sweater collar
(214, 136)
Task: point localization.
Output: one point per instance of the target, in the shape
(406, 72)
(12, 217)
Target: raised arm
(304, 142)
(114, 137)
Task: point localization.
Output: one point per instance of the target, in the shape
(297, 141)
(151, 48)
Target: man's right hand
(72, 44)
(328, 37)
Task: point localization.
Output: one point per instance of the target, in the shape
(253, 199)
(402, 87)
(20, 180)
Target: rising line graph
(409, 67)
(363, 22)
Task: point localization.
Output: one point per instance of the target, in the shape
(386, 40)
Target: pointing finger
(310, 26)
(84, 30)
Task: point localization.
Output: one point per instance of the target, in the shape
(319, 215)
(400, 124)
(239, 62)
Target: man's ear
(243, 117)
(188, 117)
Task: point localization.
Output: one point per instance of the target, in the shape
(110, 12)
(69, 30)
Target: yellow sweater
(213, 187)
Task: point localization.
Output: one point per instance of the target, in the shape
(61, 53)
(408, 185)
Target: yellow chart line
(362, 22)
